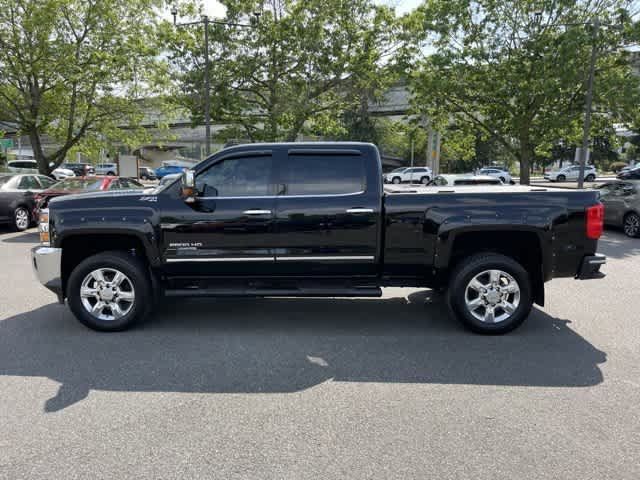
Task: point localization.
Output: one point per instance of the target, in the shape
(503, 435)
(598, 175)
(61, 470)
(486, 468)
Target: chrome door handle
(257, 212)
(360, 210)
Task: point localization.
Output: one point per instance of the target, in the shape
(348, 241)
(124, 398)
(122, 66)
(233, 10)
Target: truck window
(237, 177)
(324, 174)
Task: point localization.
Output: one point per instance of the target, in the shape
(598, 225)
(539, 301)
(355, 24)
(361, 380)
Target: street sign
(6, 143)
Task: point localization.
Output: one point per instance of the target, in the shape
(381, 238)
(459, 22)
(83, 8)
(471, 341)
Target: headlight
(43, 226)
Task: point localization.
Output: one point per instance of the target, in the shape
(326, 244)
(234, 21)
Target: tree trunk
(38, 153)
(526, 156)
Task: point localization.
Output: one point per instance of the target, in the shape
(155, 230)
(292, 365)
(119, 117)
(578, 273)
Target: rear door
(327, 213)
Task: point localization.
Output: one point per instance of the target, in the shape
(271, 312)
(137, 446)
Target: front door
(327, 219)
(228, 230)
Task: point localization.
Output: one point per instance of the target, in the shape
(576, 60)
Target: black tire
(18, 218)
(503, 180)
(630, 225)
(396, 180)
(111, 174)
(130, 266)
(466, 270)
(560, 178)
(590, 178)
(424, 180)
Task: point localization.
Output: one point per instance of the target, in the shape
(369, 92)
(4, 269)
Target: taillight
(595, 221)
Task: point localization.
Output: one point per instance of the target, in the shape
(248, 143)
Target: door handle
(360, 210)
(257, 212)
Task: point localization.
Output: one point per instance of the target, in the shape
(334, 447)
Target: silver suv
(107, 169)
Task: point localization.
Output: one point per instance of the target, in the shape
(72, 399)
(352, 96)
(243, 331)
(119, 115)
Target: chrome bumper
(47, 265)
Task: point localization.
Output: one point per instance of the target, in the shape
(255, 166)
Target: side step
(275, 292)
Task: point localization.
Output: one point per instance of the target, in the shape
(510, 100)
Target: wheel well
(523, 247)
(76, 248)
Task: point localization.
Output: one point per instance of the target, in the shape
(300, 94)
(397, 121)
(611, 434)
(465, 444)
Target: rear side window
(29, 183)
(323, 174)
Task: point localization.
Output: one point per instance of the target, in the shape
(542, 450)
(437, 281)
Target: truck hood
(98, 197)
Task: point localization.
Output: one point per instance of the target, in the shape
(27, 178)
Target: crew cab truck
(314, 220)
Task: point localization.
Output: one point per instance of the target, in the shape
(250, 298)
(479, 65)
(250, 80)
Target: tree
(300, 67)
(518, 76)
(74, 70)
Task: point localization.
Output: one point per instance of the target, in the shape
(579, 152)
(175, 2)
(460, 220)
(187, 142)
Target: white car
(62, 173)
(411, 174)
(503, 175)
(571, 174)
(107, 169)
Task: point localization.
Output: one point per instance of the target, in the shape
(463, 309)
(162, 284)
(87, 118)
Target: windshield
(78, 184)
(399, 169)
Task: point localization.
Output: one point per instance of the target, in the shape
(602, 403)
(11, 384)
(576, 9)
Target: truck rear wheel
(490, 293)
(110, 291)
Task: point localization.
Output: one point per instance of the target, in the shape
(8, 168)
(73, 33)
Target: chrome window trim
(324, 195)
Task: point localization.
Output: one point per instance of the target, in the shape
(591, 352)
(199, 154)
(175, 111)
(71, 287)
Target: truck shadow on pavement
(288, 345)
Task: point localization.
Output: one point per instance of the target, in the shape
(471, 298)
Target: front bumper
(590, 267)
(47, 265)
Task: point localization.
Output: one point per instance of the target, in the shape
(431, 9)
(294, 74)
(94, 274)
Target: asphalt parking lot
(321, 388)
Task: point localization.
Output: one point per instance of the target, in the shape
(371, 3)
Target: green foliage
(522, 83)
(297, 71)
(73, 70)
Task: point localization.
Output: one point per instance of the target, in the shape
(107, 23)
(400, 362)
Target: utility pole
(207, 89)
(595, 26)
(206, 21)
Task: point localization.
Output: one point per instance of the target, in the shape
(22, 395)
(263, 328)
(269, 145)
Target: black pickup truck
(314, 220)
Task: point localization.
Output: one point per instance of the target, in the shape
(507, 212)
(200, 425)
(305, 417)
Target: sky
(215, 9)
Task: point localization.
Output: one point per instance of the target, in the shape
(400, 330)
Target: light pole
(206, 21)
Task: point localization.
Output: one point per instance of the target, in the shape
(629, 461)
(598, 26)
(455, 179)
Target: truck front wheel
(110, 291)
(490, 293)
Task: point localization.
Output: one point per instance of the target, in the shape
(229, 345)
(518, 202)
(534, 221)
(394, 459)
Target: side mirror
(188, 186)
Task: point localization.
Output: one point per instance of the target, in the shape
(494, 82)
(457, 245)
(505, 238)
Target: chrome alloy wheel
(492, 296)
(632, 225)
(22, 218)
(107, 294)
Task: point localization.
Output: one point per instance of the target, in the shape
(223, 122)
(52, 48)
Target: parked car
(62, 173)
(17, 198)
(79, 169)
(411, 175)
(146, 173)
(621, 200)
(571, 173)
(169, 178)
(168, 170)
(503, 175)
(464, 180)
(311, 219)
(110, 169)
(31, 166)
(81, 185)
(22, 166)
(631, 174)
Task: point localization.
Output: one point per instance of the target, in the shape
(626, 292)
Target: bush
(617, 166)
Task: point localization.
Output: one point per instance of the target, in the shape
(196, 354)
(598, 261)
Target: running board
(275, 292)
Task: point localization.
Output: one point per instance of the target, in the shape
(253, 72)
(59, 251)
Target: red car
(82, 185)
